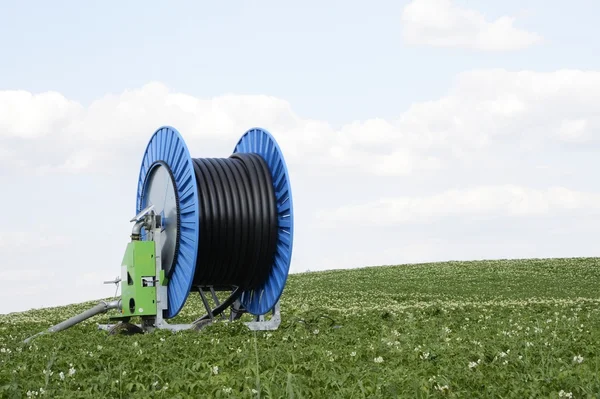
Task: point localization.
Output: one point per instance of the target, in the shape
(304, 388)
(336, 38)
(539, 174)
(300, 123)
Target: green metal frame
(138, 280)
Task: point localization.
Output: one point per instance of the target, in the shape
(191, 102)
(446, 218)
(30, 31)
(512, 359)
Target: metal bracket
(142, 213)
(260, 323)
(116, 281)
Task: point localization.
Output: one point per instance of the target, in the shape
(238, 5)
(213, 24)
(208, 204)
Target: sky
(414, 131)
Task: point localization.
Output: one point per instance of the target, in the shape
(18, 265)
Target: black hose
(238, 219)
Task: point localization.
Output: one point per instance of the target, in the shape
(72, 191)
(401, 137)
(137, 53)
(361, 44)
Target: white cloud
(23, 114)
(574, 130)
(485, 107)
(114, 129)
(440, 23)
(485, 201)
(481, 109)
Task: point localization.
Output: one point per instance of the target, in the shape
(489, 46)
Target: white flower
(447, 330)
(563, 394)
(227, 389)
(353, 354)
(578, 359)
(162, 339)
(61, 375)
(71, 370)
(442, 388)
(474, 364)
(378, 359)
(316, 331)
(254, 390)
(215, 370)
(424, 356)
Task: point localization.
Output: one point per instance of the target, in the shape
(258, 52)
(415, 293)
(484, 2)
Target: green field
(494, 329)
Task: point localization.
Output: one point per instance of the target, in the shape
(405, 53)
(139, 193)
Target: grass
(493, 329)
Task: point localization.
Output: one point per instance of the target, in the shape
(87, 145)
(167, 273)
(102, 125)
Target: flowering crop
(519, 328)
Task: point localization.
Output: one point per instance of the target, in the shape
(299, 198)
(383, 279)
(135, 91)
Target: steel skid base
(149, 324)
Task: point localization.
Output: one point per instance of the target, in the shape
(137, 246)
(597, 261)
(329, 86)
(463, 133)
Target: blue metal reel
(167, 152)
(259, 141)
(167, 148)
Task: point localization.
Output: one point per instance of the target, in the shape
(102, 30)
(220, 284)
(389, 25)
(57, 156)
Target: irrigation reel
(215, 226)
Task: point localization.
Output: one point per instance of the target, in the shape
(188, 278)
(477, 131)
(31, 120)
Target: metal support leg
(261, 324)
(206, 304)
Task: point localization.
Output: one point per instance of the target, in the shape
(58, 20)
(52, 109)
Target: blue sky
(338, 61)
(414, 131)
